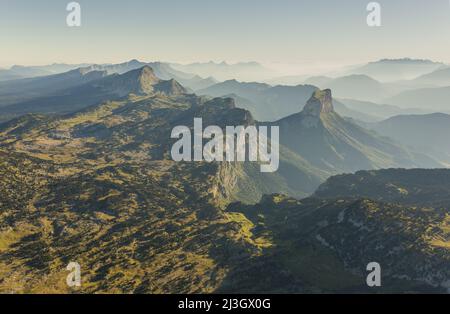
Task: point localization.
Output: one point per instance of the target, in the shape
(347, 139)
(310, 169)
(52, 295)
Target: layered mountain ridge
(140, 81)
(98, 186)
(93, 88)
(337, 145)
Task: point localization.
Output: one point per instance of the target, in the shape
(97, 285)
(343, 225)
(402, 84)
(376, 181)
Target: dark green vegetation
(98, 187)
(423, 187)
(324, 245)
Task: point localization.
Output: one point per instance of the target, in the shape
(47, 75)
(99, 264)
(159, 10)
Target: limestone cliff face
(320, 103)
(318, 106)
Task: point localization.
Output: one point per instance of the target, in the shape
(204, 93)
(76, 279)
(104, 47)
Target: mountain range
(270, 103)
(440, 77)
(360, 87)
(87, 89)
(88, 177)
(383, 70)
(265, 102)
(40, 80)
(330, 142)
(384, 81)
(73, 90)
(407, 83)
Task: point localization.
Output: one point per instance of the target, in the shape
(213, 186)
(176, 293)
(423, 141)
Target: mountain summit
(320, 102)
(77, 89)
(140, 81)
(144, 78)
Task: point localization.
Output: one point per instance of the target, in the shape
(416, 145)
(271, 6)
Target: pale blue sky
(327, 32)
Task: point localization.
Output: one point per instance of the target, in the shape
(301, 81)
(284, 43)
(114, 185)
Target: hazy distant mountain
(270, 103)
(6, 75)
(243, 89)
(26, 89)
(66, 92)
(119, 68)
(56, 68)
(440, 77)
(162, 70)
(436, 99)
(280, 101)
(47, 85)
(290, 80)
(318, 80)
(243, 71)
(378, 111)
(355, 114)
(194, 82)
(19, 71)
(265, 102)
(425, 133)
(361, 87)
(387, 70)
(140, 81)
(358, 86)
(197, 83)
(329, 142)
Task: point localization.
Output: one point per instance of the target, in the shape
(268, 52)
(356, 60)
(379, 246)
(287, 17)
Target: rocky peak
(321, 102)
(141, 80)
(146, 75)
